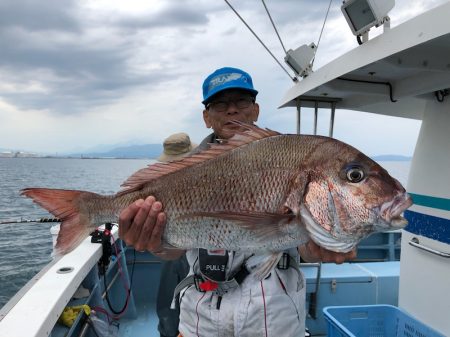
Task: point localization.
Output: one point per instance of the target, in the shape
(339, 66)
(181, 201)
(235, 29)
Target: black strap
(241, 274)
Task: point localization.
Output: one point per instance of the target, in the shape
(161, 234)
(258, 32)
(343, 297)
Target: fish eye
(355, 174)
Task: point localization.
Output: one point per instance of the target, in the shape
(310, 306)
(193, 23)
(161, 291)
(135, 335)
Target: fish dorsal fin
(250, 134)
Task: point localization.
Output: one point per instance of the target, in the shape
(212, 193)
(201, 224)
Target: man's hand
(142, 224)
(311, 252)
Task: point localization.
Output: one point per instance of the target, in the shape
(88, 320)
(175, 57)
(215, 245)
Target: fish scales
(257, 179)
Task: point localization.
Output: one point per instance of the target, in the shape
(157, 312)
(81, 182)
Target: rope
(273, 25)
(321, 31)
(260, 41)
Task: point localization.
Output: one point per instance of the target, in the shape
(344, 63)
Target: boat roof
(414, 58)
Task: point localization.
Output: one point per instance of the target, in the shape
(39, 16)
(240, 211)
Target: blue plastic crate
(374, 321)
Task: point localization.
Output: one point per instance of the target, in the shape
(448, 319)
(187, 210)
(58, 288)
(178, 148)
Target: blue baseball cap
(227, 78)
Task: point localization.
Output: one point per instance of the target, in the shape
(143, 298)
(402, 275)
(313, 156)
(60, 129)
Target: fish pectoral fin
(167, 245)
(250, 220)
(262, 225)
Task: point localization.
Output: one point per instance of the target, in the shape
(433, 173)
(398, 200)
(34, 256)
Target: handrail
(312, 310)
(415, 243)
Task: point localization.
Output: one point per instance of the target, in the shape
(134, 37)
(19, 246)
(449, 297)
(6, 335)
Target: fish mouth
(391, 211)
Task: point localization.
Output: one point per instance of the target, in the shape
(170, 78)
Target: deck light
(299, 60)
(361, 15)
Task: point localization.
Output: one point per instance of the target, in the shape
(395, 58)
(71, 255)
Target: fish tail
(65, 205)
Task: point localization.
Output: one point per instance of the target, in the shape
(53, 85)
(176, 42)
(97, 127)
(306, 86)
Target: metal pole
(299, 113)
(316, 110)
(333, 109)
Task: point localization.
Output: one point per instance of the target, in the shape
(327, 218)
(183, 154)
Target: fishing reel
(103, 237)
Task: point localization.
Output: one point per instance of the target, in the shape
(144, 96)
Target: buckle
(204, 285)
(197, 280)
(284, 262)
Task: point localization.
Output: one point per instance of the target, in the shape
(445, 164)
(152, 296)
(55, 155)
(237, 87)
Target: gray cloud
(39, 15)
(286, 12)
(51, 45)
(83, 75)
(171, 16)
(79, 93)
(73, 57)
(85, 59)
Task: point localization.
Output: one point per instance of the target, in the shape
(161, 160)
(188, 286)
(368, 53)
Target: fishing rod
(41, 220)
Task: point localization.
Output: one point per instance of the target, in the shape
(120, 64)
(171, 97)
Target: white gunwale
(36, 308)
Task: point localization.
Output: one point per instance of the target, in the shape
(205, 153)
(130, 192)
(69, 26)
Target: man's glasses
(222, 106)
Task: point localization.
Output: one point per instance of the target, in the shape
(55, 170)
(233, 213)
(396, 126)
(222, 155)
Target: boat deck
(145, 324)
(145, 285)
(360, 283)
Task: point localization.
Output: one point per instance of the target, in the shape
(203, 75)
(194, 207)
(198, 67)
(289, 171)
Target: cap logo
(224, 78)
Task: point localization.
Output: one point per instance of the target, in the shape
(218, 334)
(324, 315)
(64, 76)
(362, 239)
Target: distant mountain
(391, 157)
(101, 148)
(132, 151)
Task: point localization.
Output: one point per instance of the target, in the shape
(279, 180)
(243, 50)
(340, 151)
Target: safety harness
(212, 273)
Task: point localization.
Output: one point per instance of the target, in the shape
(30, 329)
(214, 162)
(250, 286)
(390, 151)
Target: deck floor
(145, 325)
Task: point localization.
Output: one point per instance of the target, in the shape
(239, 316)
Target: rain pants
(274, 306)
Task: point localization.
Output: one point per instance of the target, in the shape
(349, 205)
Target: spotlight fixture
(361, 15)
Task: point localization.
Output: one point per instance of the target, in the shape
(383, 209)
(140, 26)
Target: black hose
(121, 311)
(358, 38)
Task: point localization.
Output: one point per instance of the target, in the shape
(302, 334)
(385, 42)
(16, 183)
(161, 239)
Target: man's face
(227, 106)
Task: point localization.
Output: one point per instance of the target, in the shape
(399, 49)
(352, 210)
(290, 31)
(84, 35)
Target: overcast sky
(75, 75)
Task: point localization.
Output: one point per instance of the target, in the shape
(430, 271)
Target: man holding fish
(249, 309)
(241, 209)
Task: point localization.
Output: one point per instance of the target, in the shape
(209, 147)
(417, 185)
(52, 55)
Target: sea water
(26, 248)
